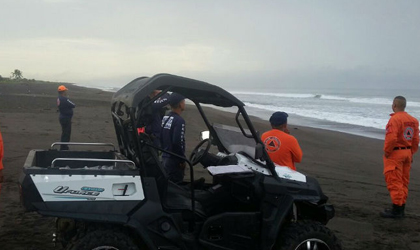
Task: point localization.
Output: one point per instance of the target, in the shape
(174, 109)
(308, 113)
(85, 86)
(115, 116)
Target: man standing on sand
(282, 147)
(65, 106)
(401, 142)
(1, 160)
(158, 108)
(173, 138)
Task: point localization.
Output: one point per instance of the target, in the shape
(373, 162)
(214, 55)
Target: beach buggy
(122, 199)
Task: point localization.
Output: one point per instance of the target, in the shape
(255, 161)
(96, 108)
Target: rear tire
(307, 235)
(103, 239)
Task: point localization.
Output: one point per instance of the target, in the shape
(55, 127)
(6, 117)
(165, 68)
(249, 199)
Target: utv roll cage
(131, 107)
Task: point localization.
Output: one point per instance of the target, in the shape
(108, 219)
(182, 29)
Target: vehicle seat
(152, 165)
(124, 140)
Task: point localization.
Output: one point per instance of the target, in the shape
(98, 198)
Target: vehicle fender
(142, 233)
(137, 231)
(275, 209)
(318, 212)
(150, 219)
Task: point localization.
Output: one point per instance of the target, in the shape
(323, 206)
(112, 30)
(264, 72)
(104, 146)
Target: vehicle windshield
(234, 141)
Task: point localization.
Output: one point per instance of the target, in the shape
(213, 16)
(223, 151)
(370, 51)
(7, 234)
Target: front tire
(103, 239)
(307, 235)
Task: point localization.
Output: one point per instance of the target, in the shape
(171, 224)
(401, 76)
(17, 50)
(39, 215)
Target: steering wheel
(197, 155)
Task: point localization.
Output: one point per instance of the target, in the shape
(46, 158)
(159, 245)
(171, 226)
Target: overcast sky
(333, 43)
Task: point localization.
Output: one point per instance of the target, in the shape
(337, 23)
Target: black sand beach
(348, 167)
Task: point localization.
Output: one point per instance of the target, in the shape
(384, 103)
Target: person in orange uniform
(282, 147)
(1, 160)
(401, 142)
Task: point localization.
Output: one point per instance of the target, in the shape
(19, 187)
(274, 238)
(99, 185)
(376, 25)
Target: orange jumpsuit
(282, 148)
(1, 155)
(401, 142)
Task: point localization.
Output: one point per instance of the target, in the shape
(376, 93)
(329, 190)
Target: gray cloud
(298, 42)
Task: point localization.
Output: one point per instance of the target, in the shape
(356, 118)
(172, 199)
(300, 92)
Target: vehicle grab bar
(92, 159)
(83, 144)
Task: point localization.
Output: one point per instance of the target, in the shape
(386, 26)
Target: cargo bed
(53, 179)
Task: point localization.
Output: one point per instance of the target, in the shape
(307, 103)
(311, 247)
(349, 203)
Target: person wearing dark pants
(174, 168)
(65, 131)
(65, 107)
(173, 139)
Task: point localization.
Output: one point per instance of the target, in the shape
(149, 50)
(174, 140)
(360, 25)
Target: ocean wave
(287, 95)
(337, 117)
(103, 88)
(361, 100)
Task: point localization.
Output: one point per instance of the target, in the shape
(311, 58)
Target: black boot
(403, 210)
(396, 212)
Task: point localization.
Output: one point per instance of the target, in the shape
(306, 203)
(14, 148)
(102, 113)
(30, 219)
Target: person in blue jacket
(153, 129)
(173, 138)
(65, 106)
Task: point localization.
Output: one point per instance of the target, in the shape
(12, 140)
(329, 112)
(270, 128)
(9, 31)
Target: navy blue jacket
(173, 134)
(154, 128)
(65, 106)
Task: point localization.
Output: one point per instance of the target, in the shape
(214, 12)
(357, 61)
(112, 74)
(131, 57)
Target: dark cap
(175, 98)
(278, 118)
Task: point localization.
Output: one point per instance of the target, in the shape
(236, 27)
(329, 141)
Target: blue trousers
(65, 132)
(173, 169)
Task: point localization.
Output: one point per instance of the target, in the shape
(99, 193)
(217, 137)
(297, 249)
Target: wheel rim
(105, 248)
(313, 244)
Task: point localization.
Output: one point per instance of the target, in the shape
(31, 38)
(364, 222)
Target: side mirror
(205, 135)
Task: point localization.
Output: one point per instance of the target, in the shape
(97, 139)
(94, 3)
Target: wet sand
(348, 167)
